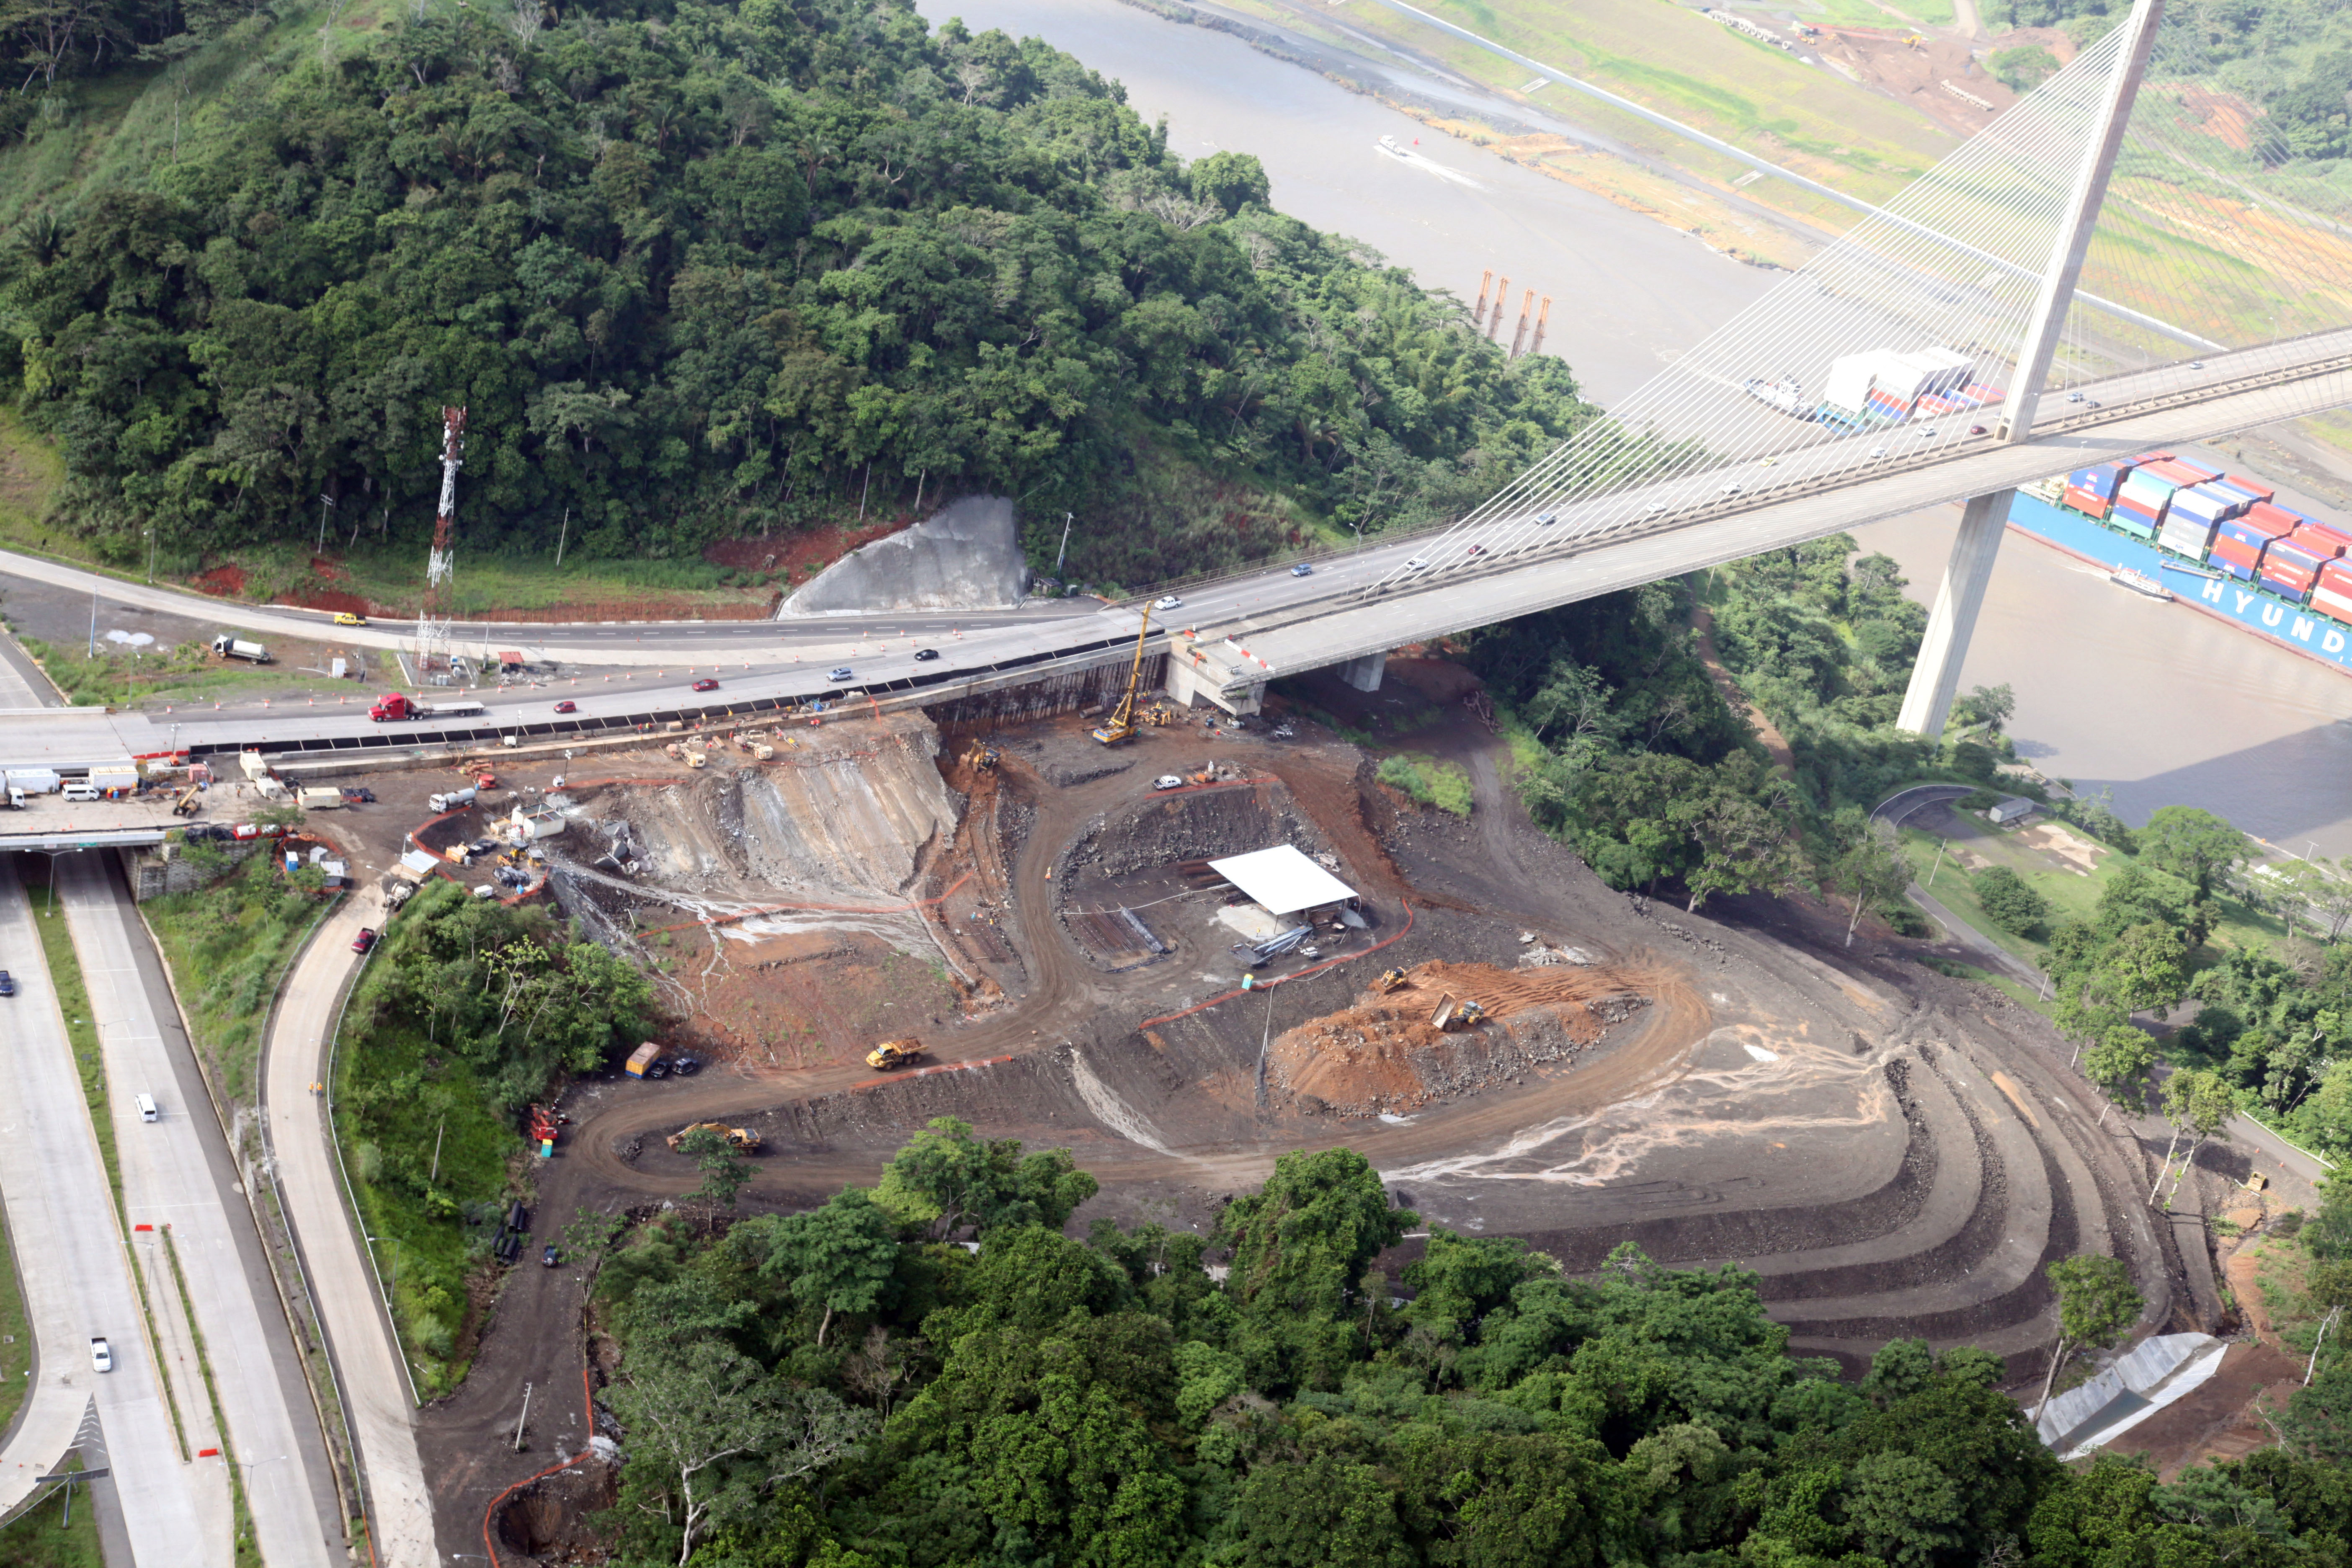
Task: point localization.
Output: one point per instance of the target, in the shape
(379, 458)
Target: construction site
(1218, 940)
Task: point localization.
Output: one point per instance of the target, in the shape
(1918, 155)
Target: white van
(147, 1111)
(81, 789)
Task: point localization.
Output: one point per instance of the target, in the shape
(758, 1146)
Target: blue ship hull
(2257, 609)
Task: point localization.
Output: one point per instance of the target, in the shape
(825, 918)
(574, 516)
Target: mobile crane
(1120, 725)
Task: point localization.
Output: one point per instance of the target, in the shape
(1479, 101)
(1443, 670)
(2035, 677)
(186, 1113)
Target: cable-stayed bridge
(2128, 259)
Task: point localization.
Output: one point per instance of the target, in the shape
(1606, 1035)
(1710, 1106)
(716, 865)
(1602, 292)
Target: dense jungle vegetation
(848, 1386)
(703, 268)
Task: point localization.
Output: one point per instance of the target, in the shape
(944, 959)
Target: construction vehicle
(1120, 725)
(980, 756)
(893, 1054)
(191, 802)
(544, 1124)
(762, 752)
(1391, 980)
(695, 758)
(451, 800)
(1453, 1015)
(400, 705)
(742, 1140)
(237, 647)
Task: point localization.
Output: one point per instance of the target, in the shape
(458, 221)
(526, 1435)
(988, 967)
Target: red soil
(801, 554)
(227, 582)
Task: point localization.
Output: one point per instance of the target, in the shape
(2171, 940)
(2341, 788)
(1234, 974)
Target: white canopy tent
(1282, 880)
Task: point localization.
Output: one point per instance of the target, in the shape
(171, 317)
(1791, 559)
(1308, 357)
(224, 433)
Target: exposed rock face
(967, 557)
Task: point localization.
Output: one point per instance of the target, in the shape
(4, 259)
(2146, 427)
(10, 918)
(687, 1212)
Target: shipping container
(2286, 578)
(2322, 540)
(2187, 536)
(2086, 504)
(2235, 556)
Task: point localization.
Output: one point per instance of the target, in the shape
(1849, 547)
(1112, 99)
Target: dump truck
(320, 798)
(237, 647)
(646, 1061)
(395, 705)
(893, 1054)
(1453, 1015)
(742, 1140)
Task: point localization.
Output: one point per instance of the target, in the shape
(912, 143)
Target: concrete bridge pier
(1935, 678)
(1364, 674)
(1189, 684)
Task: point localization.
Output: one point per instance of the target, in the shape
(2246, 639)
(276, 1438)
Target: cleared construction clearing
(1388, 1054)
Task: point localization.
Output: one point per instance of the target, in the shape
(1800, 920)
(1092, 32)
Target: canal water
(2156, 702)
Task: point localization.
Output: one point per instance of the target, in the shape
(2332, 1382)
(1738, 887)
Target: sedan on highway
(1302, 570)
(706, 684)
(1416, 564)
(1168, 602)
(101, 1354)
(8, 985)
(838, 672)
(364, 941)
(567, 706)
(925, 655)
(346, 619)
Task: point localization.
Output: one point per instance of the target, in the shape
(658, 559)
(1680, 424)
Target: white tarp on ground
(2154, 1374)
(1283, 880)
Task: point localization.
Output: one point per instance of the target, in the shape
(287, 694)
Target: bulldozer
(742, 1140)
(893, 1054)
(1120, 725)
(1391, 980)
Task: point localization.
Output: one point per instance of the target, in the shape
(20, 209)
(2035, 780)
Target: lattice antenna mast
(432, 626)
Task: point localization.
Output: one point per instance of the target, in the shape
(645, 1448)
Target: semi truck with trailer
(397, 705)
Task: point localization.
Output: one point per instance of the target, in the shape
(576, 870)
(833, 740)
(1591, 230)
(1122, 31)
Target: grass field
(228, 946)
(2071, 895)
(42, 1539)
(15, 1333)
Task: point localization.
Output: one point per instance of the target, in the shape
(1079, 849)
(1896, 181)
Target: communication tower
(434, 621)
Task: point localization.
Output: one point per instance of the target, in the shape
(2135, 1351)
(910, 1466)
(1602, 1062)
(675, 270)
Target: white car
(1732, 489)
(1168, 602)
(1545, 518)
(1876, 453)
(1928, 434)
(1656, 507)
(1416, 564)
(1167, 781)
(2197, 364)
(101, 1354)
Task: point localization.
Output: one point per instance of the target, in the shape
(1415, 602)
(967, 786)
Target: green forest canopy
(693, 267)
(848, 1387)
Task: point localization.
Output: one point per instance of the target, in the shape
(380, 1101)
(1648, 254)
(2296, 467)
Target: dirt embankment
(1385, 1053)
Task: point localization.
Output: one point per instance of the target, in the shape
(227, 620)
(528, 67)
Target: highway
(368, 1366)
(1365, 601)
(177, 1172)
(71, 1255)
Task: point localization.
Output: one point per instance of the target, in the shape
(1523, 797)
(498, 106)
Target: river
(2161, 704)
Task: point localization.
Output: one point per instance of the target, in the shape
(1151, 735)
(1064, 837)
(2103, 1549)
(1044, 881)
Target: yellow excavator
(1121, 726)
(739, 1138)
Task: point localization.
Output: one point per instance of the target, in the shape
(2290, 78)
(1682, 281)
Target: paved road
(177, 1172)
(359, 1337)
(71, 1253)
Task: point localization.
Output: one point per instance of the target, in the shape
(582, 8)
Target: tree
(947, 1179)
(2013, 905)
(1300, 1246)
(722, 1432)
(2098, 1305)
(1989, 706)
(2118, 1060)
(1232, 181)
(2200, 1104)
(839, 1258)
(2193, 844)
(724, 1172)
(1873, 871)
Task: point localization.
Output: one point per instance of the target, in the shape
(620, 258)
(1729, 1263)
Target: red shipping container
(2086, 504)
(2264, 518)
(2339, 573)
(2228, 549)
(2145, 457)
(2181, 474)
(2254, 487)
(2332, 603)
(2291, 577)
(2321, 540)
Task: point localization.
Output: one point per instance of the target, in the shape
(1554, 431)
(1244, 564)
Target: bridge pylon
(1935, 676)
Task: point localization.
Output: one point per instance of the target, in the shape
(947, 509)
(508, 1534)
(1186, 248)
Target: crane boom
(1121, 726)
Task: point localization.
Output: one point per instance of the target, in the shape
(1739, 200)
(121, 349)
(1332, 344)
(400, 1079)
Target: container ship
(2218, 542)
